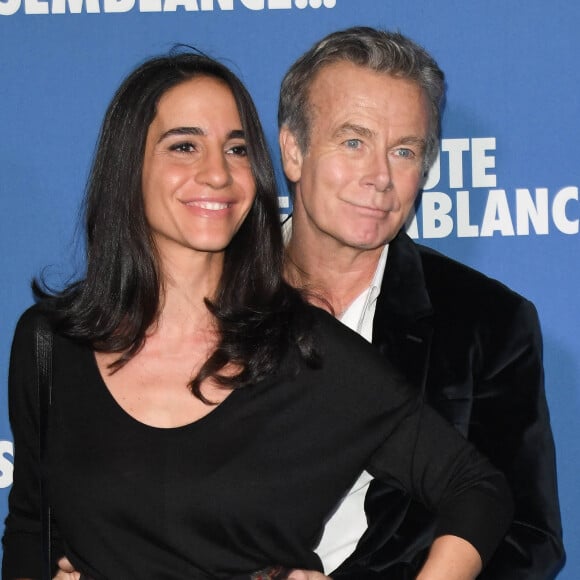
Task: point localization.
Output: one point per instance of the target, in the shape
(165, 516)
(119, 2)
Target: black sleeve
(21, 540)
(511, 424)
(428, 458)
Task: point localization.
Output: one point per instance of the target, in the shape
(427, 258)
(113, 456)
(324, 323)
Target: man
(359, 125)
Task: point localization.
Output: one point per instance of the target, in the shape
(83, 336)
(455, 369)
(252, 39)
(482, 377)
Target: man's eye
(405, 153)
(353, 143)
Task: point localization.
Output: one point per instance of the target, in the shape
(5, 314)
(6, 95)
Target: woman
(204, 419)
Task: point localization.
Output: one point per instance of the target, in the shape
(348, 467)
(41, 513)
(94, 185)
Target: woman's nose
(214, 170)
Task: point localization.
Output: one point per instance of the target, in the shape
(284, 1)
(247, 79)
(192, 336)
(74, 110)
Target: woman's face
(197, 180)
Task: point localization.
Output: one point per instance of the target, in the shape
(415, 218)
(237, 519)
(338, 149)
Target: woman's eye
(183, 147)
(238, 150)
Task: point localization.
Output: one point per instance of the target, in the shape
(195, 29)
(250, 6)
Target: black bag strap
(44, 383)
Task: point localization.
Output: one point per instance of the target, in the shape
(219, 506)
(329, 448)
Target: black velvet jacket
(474, 348)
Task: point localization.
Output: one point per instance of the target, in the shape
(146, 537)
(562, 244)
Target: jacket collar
(403, 322)
(404, 296)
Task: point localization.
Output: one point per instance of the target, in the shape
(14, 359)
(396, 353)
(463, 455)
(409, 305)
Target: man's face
(356, 183)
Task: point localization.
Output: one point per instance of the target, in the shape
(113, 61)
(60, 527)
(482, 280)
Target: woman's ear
(291, 154)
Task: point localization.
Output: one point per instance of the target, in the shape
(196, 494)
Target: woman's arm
(428, 458)
(450, 558)
(22, 533)
(21, 540)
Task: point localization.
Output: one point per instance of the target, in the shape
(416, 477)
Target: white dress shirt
(348, 523)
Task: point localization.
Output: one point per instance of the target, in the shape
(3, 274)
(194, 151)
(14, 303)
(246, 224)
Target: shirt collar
(377, 280)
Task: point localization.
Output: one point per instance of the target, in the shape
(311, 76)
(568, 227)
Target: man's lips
(371, 209)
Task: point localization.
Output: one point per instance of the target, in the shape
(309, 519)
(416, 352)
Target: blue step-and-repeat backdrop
(502, 198)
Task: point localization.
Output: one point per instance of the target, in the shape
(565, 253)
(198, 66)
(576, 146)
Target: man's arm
(507, 420)
(510, 423)
(451, 558)
(66, 570)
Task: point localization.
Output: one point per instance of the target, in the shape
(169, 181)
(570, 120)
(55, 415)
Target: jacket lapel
(402, 327)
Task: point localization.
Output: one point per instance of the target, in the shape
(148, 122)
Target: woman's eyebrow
(198, 131)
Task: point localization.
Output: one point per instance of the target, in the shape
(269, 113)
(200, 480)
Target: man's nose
(379, 174)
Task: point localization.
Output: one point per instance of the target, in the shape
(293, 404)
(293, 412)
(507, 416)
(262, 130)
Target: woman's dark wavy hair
(258, 315)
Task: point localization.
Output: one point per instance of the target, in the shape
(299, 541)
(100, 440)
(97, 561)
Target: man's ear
(291, 154)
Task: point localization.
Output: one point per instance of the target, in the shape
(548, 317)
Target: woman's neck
(186, 282)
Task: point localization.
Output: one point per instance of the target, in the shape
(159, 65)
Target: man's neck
(334, 273)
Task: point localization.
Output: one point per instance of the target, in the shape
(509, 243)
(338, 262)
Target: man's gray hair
(377, 50)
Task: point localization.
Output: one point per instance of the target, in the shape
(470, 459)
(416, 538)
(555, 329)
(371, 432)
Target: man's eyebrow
(359, 130)
(412, 140)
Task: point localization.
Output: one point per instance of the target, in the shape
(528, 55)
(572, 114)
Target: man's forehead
(340, 91)
(339, 67)
(330, 74)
